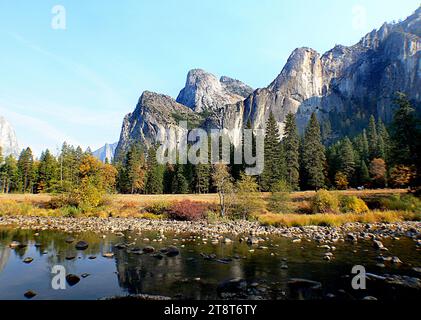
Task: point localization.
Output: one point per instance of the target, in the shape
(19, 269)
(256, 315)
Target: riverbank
(226, 231)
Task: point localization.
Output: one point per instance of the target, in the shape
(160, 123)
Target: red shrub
(187, 210)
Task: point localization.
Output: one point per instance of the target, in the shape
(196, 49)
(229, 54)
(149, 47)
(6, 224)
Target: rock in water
(69, 240)
(82, 245)
(14, 244)
(378, 245)
(72, 279)
(30, 294)
(148, 249)
(172, 251)
(28, 260)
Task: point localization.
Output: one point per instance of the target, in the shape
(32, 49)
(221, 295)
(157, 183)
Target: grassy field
(206, 198)
(144, 206)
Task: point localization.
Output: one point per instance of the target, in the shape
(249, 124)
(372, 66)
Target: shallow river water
(267, 269)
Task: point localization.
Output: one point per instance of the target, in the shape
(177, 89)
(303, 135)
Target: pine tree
(202, 178)
(404, 132)
(155, 175)
(168, 178)
(26, 171)
(347, 158)
(136, 169)
(272, 171)
(372, 138)
(291, 144)
(179, 181)
(313, 156)
(364, 174)
(9, 175)
(48, 170)
(384, 140)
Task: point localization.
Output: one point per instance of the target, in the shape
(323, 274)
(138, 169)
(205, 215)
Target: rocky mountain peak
(300, 60)
(8, 140)
(204, 92)
(106, 152)
(235, 86)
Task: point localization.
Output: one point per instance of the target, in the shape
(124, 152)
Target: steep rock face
(345, 79)
(236, 87)
(106, 152)
(343, 82)
(154, 114)
(8, 140)
(204, 92)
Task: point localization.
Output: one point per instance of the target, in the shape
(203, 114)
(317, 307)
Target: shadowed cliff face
(345, 81)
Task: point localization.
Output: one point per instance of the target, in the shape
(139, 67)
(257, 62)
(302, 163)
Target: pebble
(28, 260)
(396, 260)
(30, 294)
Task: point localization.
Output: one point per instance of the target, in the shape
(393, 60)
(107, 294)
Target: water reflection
(188, 275)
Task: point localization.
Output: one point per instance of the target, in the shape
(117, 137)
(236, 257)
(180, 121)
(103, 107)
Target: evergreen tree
(135, 167)
(9, 174)
(347, 159)
(313, 156)
(364, 174)
(168, 178)
(48, 170)
(202, 178)
(179, 181)
(291, 144)
(372, 138)
(274, 159)
(404, 132)
(384, 140)
(26, 171)
(155, 175)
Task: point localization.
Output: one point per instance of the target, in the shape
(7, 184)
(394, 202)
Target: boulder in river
(148, 249)
(15, 245)
(28, 260)
(82, 245)
(69, 240)
(30, 294)
(172, 251)
(72, 279)
(378, 245)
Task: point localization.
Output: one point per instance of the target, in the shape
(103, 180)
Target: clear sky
(77, 84)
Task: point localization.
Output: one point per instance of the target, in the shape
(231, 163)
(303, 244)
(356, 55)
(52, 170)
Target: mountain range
(344, 86)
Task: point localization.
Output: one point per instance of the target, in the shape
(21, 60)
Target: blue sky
(77, 84)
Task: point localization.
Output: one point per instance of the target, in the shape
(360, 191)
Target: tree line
(379, 156)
